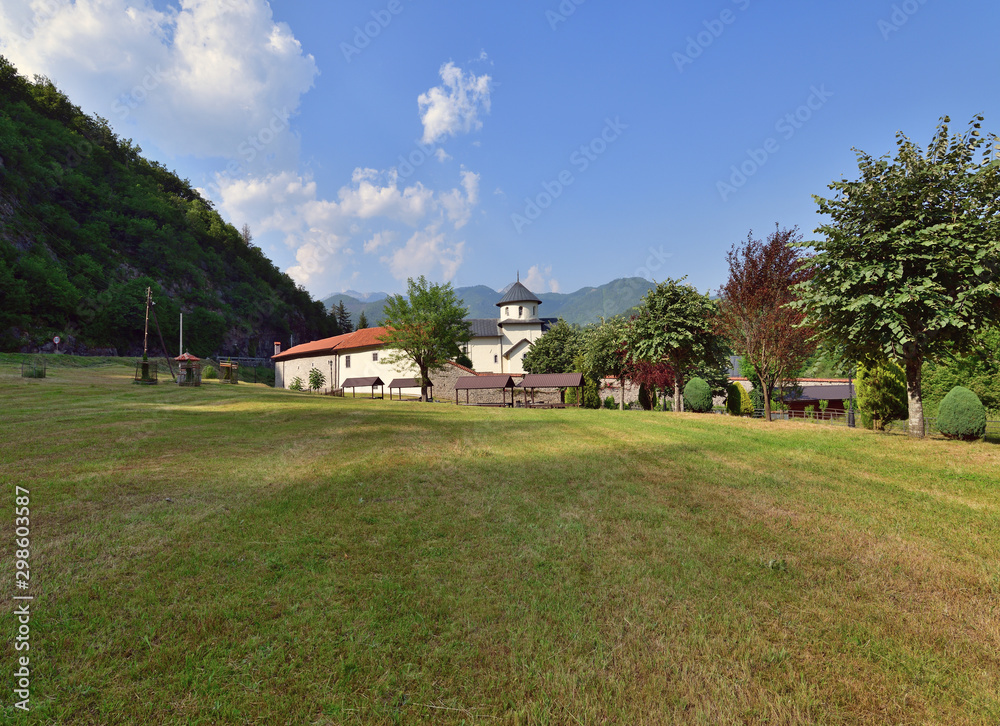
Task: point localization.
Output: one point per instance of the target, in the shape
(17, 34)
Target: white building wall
(364, 366)
(484, 353)
(513, 334)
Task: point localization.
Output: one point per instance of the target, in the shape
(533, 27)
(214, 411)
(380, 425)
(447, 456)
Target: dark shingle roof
(362, 382)
(476, 383)
(518, 293)
(407, 383)
(551, 380)
(483, 327)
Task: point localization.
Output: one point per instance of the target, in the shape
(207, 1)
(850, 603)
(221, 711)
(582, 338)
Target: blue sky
(366, 141)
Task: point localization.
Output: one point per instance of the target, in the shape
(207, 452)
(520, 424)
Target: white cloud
(321, 231)
(426, 253)
(541, 280)
(379, 240)
(316, 252)
(455, 106)
(205, 78)
(459, 207)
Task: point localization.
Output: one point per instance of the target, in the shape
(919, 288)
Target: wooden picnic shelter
(531, 381)
(355, 383)
(401, 383)
(484, 383)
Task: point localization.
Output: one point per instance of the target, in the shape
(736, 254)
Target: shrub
(209, 373)
(591, 398)
(697, 396)
(738, 401)
(609, 403)
(571, 396)
(962, 415)
(881, 392)
(316, 379)
(296, 384)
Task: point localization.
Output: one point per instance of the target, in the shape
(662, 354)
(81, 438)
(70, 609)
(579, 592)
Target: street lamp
(850, 401)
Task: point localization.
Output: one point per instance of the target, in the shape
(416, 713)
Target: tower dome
(518, 293)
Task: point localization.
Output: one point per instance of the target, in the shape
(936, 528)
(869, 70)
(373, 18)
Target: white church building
(498, 345)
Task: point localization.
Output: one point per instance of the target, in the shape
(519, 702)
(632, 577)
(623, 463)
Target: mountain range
(586, 305)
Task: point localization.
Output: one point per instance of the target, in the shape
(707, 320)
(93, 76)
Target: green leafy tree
(881, 392)
(605, 352)
(908, 266)
(296, 384)
(362, 320)
(426, 328)
(555, 351)
(674, 327)
(316, 379)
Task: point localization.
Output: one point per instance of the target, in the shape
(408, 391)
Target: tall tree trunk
(621, 406)
(423, 384)
(767, 400)
(678, 396)
(914, 395)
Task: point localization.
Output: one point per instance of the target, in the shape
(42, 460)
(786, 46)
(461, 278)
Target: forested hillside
(87, 224)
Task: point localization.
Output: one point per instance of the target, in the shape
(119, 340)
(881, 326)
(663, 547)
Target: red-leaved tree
(753, 312)
(654, 376)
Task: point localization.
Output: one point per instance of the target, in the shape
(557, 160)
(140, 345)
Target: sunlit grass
(233, 554)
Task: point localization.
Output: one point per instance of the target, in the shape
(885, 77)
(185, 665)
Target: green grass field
(239, 555)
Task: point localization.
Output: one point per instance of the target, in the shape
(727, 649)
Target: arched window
(506, 312)
(520, 311)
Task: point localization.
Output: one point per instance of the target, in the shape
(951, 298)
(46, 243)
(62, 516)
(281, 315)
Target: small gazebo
(189, 370)
(355, 383)
(401, 383)
(501, 383)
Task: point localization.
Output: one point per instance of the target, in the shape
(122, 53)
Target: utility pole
(181, 352)
(145, 336)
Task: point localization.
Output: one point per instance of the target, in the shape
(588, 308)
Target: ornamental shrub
(738, 401)
(209, 373)
(881, 392)
(296, 384)
(609, 403)
(962, 415)
(697, 396)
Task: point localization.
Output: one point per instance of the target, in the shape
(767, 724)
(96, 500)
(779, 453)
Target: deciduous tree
(606, 352)
(426, 328)
(674, 328)
(908, 266)
(555, 351)
(753, 308)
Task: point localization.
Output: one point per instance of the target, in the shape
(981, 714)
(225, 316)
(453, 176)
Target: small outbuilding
(188, 370)
(501, 383)
(401, 383)
(355, 383)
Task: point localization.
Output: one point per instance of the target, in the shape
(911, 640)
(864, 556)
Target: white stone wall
(334, 367)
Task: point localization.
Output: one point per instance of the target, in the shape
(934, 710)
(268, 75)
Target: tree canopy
(754, 313)
(674, 327)
(907, 268)
(425, 328)
(555, 351)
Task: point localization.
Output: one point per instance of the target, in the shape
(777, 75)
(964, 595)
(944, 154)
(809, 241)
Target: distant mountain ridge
(583, 307)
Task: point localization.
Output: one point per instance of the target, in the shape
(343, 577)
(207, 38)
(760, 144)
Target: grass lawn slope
(239, 555)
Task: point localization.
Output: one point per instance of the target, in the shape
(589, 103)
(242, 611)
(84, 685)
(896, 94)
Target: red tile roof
(364, 338)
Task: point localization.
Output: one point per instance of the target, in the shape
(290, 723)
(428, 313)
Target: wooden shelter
(401, 383)
(189, 370)
(531, 381)
(229, 372)
(355, 383)
(486, 383)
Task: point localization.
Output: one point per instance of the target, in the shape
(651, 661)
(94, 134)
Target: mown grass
(234, 554)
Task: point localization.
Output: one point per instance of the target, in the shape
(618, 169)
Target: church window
(375, 357)
(347, 361)
(496, 359)
(520, 312)
(506, 312)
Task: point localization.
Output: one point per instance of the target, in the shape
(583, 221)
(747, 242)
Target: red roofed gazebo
(189, 370)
